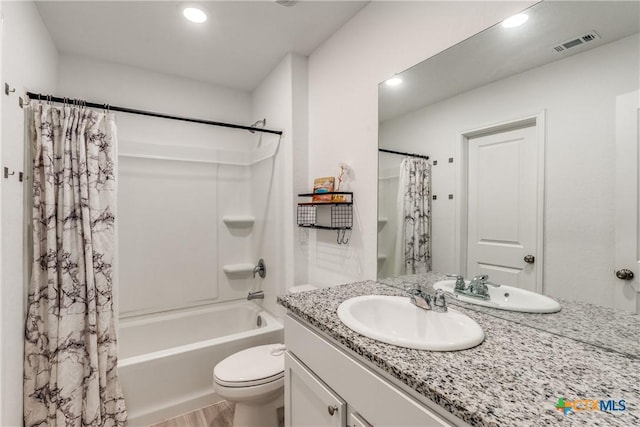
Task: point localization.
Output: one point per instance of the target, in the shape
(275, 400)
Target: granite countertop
(514, 378)
(605, 327)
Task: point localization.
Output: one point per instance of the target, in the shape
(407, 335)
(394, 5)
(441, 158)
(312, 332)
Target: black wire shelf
(339, 218)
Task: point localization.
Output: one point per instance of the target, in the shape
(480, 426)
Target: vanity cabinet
(309, 402)
(326, 386)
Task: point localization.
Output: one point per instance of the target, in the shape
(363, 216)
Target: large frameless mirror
(555, 214)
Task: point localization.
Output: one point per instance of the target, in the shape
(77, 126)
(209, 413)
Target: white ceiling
(241, 42)
(498, 52)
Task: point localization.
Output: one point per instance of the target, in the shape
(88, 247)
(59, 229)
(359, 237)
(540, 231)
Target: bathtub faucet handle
(261, 269)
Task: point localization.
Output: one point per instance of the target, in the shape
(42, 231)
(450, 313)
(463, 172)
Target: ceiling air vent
(577, 41)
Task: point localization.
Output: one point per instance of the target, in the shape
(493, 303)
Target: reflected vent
(577, 41)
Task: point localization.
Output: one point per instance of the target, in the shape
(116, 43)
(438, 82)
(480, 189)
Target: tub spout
(255, 295)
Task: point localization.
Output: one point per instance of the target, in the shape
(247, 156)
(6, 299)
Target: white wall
(578, 95)
(29, 62)
(281, 98)
(382, 39)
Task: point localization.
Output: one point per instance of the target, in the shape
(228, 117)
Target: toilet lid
(253, 365)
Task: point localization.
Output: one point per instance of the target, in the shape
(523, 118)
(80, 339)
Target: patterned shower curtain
(413, 237)
(70, 361)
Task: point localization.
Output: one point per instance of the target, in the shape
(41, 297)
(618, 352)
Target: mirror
(565, 79)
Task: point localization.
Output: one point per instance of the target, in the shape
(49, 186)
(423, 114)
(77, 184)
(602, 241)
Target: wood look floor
(218, 415)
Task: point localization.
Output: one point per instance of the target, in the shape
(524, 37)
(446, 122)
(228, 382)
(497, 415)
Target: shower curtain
(70, 361)
(413, 236)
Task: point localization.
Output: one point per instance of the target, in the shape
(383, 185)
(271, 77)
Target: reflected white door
(503, 207)
(627, 220)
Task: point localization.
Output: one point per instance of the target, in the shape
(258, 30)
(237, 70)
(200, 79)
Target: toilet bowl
(254, 380)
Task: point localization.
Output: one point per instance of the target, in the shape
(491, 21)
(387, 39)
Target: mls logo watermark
(608, 405)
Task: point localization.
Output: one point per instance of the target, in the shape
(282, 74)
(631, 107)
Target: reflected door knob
(624, 274)
(529, 259)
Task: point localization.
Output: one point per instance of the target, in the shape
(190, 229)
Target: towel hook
(342, 240)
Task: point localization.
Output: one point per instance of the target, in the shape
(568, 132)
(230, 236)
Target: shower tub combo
(167, 360)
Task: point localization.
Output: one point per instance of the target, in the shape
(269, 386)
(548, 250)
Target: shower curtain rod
(402, 153)
(41, 97)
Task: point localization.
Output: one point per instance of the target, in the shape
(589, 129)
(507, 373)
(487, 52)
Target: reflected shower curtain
(70, 361)
(413, 236)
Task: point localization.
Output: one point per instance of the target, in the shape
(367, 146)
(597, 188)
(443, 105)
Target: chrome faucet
(255, 295)
(419, 298)
(260, 269)
(460, 283)
(439, 302)
(478, 287)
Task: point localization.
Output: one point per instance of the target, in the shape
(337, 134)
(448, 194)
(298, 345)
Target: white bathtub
(166, 361)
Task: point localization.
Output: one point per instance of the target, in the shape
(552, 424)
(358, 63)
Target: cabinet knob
(332, 409)
(624, 274)
(529, 259)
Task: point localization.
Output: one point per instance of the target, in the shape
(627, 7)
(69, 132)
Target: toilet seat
(260, 381)
(251, 367)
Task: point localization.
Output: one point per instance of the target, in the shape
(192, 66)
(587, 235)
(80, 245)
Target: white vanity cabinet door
(355, 420)
(309, 402)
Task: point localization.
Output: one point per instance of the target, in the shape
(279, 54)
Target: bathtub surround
(70, 375)
(259, 190)
(514, 378)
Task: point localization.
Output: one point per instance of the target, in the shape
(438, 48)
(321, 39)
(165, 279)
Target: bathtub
(166, 361)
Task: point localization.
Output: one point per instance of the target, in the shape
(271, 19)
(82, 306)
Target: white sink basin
(507, 297)
(394, 320)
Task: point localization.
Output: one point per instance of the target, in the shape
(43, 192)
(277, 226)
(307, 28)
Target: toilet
(254, 380)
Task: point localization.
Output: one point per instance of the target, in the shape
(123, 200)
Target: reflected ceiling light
(393, 81)
(194, 14)
(515, 20)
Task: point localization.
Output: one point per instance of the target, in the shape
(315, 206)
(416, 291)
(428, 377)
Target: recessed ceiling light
(194, 14)
(393, 81)
(515, 20)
